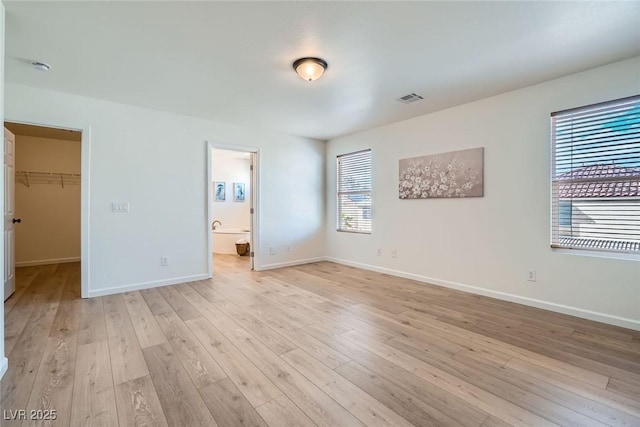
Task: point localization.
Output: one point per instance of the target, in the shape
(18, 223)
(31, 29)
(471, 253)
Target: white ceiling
(231, 61)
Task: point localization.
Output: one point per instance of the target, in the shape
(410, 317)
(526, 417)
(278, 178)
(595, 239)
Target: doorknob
(18, 220)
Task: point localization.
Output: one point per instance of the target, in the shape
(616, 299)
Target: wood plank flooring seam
(113, 381)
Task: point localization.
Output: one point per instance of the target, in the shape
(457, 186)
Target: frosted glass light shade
(310, 69)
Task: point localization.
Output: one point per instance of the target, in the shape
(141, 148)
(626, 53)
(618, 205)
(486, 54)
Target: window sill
(353, 231)
(597, 254)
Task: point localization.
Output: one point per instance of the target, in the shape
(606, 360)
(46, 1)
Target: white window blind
(354, 192)
(596, 177)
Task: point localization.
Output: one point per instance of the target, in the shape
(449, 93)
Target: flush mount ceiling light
(310, 69)
(41, 66)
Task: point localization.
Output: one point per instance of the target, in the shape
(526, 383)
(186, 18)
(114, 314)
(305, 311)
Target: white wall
(156, 162)
(3, 359)
(487, 244)
(227, 167)
(50, 214)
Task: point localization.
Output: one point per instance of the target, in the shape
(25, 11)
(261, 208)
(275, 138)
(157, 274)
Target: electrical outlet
(531, 275)
(379, 252)
(272, 250)
(288, 248)
(164, 261)
(394, 253)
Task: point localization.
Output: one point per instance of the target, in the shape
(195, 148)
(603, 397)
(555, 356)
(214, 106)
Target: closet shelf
(57, 178)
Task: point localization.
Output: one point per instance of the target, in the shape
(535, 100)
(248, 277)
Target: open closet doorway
(232, 215)
(42, 209)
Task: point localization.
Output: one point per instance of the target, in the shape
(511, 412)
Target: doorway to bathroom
(232, 215)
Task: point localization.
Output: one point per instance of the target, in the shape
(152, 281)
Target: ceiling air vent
(410, 98)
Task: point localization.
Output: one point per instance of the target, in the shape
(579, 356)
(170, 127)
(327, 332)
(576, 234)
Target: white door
(252, 210)
(9, 212)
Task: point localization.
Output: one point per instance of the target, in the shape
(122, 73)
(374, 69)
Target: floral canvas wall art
(453, 174)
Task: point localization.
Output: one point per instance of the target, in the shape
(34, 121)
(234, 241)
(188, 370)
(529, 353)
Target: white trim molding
(147, 285)
(290, 263)
(47, 261)
(559, 308)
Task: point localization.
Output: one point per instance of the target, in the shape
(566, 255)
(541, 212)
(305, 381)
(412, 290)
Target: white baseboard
(147, 285)
(185, 279)
(560, 308)
(46, 261)
(4, 365)
(288, 263)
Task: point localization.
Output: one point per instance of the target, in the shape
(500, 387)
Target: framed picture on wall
(219, 191)
(238, 192)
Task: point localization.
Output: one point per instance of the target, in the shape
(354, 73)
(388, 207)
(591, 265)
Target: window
(596, 177)
(354, 192)
(564, 213)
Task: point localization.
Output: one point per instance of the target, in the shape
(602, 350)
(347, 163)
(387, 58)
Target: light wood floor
(320, 344)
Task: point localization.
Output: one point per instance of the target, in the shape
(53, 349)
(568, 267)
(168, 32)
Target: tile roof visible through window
(583, 190)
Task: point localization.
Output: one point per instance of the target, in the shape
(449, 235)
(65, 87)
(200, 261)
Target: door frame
(85, 194)
(9, 242)
(255, 200)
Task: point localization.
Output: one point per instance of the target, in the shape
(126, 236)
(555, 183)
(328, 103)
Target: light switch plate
(120, 207)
